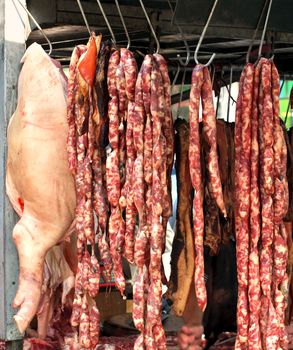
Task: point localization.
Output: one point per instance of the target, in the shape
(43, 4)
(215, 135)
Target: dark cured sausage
(182, 258)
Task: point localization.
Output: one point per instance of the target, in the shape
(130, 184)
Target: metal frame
(11, 50)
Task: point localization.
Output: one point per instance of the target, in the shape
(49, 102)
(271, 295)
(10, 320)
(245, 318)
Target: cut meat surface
(38, 174)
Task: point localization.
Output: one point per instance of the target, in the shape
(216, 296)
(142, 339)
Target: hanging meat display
(137, 178)
(261, 192)
(201, 88)
(153, 144)
(120, 149)
(182, 258)
(86, 164)
(122, 73)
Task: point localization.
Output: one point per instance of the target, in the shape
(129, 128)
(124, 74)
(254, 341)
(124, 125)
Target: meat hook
(181, 92)
(202, 36)
(84, 16)
(175, 77)
(229, 93)
(151, 26)
(38, 26)
(184, 40)
(123, 23)
(107, 22)
(255, 32)
(264, 29)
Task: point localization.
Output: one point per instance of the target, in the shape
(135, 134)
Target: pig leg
(27, 236)
(45, 313)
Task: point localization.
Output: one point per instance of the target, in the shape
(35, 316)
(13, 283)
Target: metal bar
(14, 345)
(12, 19)
(229, 94)
(84, 16)
(176, 98)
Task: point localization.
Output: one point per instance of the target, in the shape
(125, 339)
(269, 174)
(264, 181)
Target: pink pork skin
(38, 181)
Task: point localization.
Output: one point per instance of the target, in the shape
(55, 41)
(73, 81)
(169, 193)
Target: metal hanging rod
(151, 26)
(123, 23)
(184, 40)
(84, 16)
(203, 35)
(38, 26)
(256, 31)
(264, 29)
(107, 22)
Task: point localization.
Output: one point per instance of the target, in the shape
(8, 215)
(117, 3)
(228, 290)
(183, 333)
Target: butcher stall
(146, 174)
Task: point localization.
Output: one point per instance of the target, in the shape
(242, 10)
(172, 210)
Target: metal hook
(123, 23)
(229, 93)
(107, 22)
(181, 91)
(202, 36)
(264, 29)
(184, 40)
(256, 31)
(185, 64)
(151, 26)
(175, 77)
(38, 26)
(84, 17)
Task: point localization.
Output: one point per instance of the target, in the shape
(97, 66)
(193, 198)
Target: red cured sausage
(71, 140)
(242, 302)
(100, 197)
(168, 131)
(280, 207)
(115, 225)
(84, 327)
(196, 179)
(280, 155)
(153, 321)
(130, 71)
(148, 137)
(266, 161)
(243, 204)
(85, 162)
(167, 124)
(94, 277)
(94, 326)
(254, 291)
(210, 132)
